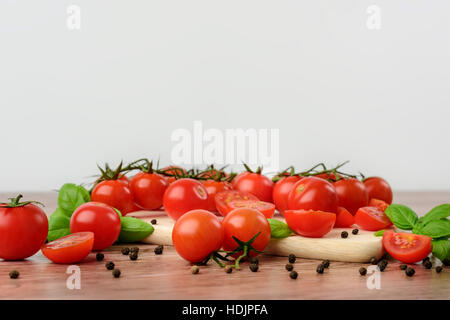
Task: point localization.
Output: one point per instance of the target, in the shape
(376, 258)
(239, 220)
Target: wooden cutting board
(356, 248)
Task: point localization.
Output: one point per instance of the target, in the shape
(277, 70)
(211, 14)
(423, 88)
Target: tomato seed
(362, 271)
(410, 272)
(14, 274)
(292, 258)
(116, 273)
(125, 251)
(344, 234)
(99, 256)
(293, 274)
(289, 267)
(109, 265)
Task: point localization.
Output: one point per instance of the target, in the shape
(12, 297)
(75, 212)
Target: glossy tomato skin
(213, 188)
(98, 218)
(266, 208)
(115, 193)
(407, 247)
(224, 198)
(184, 195)
(23, 231)
(344, 219)
(380, 204)
(174, 170)
(352, 194)
(281, 191)
(371, 219)
(148, 190)
(69, 249)
(310, 223)
(379, 188)
(244, 224)
(312, 193)
(256, 184)
(197, 234)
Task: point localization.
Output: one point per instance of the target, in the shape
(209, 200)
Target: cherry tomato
(244, 224)
(328, 176)
(124, 179)
(115, 193)
(310, 223)
(197, 234)
(212, 188)
(256, 184)
(352, 194)
(344, 219)
(380, 204)
(184, 195)
(313, 193)
(371, 219)
(69, 249)
(173, 170)
(23, 231)
(266, 208)
(98, 218)
(281, 191)
(148, 190)
(223, 198)
(407, 247)
(378, 188)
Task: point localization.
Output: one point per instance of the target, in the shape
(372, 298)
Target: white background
(137, 70)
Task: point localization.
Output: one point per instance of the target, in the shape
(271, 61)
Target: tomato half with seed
(281, 192)
(407, 247)
(197, 234)
(372, 219)
(223, 199)
(266, 208)
(380, 204)
(69, 249)
(378, 188)
(310, 223)
(344, 219)
(148, 190)
(313, 193)
(352, 194)
(115, 193)
(254, 183)
(212, 188)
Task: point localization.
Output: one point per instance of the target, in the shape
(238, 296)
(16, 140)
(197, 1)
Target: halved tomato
(407, 247)
(310, 223)
(380, 204)
(69, 249)
(371, 219)
(223, 198)
(344, 219)
(266, 208)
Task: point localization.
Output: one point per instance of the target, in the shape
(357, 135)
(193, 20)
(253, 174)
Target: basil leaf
(71, 197)
(437, 213)
(435, 228)
(401, 216)
(58, 225)
(134, 230)
(379, 233)
(441, 249)
(279, 229)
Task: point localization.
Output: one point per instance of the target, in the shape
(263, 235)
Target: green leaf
(71, 197)
(401, 216)
(279, 229)
(134, 230)
(58, 225)
(441, 249)
(437, 213)
(435, 229)
(379, 233)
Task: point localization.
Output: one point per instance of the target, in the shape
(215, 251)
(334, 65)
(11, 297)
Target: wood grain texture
(167, 276)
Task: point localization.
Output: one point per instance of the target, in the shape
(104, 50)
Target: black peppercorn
(410, 271)
(228, 269)
(426, 259)
(109, 265)
(382, 265)
(134, 249)
(362, 271)
(403, 267)
(14, 274)
(326, 263)
(446, 262)
(293, 274)
(355, 231)
(159, 250)
(439, 269)
(116, 273)
(254, 267)
(292, 258)
(289, 267)
(125, 251)
(427, 264)
(133, 256)
(374, 261)
(99, 256)
(195, 269)
(320, 268)
(344, 234)
(153, 221)
(254, 260)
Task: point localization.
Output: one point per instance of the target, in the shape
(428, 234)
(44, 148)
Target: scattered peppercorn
(426, 259)
(125, 251)
(254, 267)
(403, 267)
(382, 265)
(427, 264)
(362, 271)
(410, 272)
(159, 250)
(344, 234)
(195, 269)
(293, 274)
(289, 267)
(109, 265)
(153, 221)
(228, 269)
(355, 231)
(439, 269)
(133, 256)
(99, 256)
(320, 268)
(292, 258)
(374, 261)
(134, 249)
(446, 262)
(254, 260)
(326, 263)
(116, 273)
(14, 274)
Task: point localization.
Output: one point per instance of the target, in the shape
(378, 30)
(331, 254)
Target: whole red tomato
(352, 194)
(23, 229)
(184, 195)
(197, 234)
(281, 192)
(378, 188)
(173, 172)
(98, 218)
(115, 193)
(212, 188)
(313, 193)
(310, 223)
(256, 184)
(148, 190)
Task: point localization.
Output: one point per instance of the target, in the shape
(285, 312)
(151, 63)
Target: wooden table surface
(167, 276)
